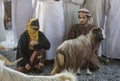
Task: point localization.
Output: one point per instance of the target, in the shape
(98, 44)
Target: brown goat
(74, 53)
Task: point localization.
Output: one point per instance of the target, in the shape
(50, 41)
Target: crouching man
(31, 46)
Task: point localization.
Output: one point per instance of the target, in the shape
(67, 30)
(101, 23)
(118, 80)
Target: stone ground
(108, 72)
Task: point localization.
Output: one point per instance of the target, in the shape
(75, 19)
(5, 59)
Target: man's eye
(84, 17)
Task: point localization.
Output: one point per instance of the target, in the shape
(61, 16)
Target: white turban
(87, 12)
(84, 10)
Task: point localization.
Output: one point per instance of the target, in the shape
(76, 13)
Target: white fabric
(71, 8)
(22, 11)
(36, 8)
(112, 41)
(97, 10)
(2, 28)
(52, 24)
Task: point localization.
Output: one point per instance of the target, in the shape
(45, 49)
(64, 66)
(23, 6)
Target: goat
(75, 53)
(8, 74)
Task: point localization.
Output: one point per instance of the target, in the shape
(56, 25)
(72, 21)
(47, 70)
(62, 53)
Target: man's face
(83, 19)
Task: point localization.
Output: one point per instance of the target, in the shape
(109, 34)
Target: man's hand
(27, 66)
(32, 43)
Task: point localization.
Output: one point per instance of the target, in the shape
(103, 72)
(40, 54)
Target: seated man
(83, 27)
(31, 46)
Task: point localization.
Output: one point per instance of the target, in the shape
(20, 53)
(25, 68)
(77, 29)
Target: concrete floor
(9, 42)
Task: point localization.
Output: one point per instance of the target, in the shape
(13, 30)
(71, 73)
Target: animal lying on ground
(75, 53)
(7, 74)
(7, 62)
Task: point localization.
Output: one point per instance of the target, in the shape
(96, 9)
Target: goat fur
(74, 53)
(7, 74)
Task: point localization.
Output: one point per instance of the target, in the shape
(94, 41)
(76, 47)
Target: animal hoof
(89, 72)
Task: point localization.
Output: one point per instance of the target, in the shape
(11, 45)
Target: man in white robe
(36, 8)
(2, 28)
(52, 24)
(22, 11)
(111, 45)
(97, 9)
